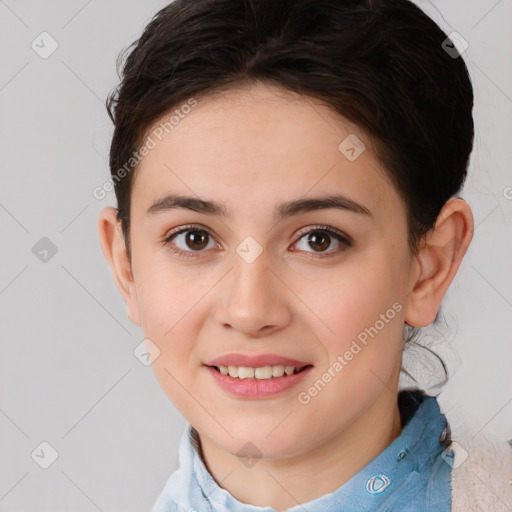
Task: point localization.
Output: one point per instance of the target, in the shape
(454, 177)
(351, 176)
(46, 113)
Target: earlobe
(437, 261)
(114, 249)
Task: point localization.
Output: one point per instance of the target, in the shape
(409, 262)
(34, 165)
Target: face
(310, 284)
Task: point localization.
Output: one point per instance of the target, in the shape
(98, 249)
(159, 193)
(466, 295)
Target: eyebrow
(282, 211)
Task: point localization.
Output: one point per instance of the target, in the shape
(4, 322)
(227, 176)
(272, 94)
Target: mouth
(268, 372)
(257, 376)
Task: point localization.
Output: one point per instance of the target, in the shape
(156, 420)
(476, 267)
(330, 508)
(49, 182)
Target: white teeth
(263, 372)
(245, 372)
(277, 371)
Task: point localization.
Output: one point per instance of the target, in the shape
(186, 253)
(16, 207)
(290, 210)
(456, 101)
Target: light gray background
(68, 375)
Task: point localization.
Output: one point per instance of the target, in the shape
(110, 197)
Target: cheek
(170, 309)
(166, 297)
(353, 297)
(361, 334)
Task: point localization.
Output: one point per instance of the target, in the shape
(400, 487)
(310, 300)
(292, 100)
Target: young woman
(287, 176)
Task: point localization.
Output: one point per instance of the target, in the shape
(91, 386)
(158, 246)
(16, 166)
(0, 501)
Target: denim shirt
(413, 474)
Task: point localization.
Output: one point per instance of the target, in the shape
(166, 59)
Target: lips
(250, 386)
(256, 361)
(256, 389)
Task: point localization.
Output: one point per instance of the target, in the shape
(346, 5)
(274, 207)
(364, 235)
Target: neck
(285, 483)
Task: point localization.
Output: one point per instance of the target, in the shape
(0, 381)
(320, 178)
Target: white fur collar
(483, 481)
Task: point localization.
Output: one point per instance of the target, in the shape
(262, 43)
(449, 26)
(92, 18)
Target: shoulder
(482, 475)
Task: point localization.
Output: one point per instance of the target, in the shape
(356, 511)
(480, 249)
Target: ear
(114, 250)
(437, 260)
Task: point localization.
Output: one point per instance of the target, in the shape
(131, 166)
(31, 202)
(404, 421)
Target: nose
(253, 299)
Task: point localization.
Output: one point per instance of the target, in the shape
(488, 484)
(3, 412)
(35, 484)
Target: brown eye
(196, 239)
(189, 240)
(320, 239)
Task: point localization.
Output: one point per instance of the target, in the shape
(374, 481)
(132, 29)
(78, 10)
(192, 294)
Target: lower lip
(249, 388)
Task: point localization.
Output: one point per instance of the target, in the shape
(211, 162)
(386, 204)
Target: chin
(251, 444)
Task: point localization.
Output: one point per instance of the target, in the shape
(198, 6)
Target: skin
(289, 301)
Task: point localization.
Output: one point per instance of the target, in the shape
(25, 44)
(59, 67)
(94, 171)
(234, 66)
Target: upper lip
(256, 361)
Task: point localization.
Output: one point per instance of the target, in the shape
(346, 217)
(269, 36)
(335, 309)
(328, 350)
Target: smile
(257, 383)
(260, 373)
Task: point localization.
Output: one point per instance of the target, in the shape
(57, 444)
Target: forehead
(261, 145)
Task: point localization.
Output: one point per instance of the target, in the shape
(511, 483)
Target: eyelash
(343, 239)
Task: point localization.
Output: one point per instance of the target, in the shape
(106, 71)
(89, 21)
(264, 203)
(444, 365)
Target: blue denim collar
(410, 475)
